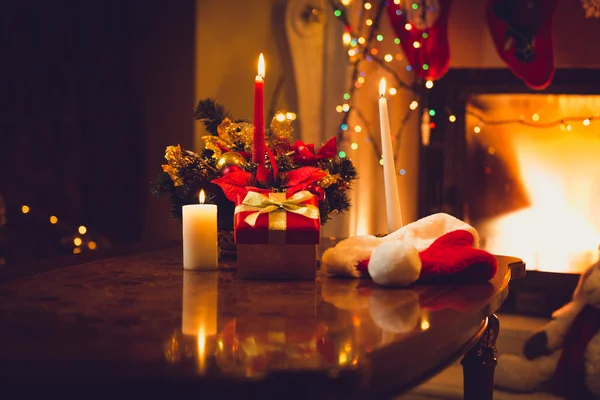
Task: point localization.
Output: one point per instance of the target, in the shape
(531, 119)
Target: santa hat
(439, 247)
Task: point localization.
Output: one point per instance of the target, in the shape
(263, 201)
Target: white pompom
(395, 264)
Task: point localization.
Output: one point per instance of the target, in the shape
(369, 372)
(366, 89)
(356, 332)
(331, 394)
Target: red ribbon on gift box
(277, 218)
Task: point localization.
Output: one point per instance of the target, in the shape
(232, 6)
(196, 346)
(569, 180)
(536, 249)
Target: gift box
(277, 235)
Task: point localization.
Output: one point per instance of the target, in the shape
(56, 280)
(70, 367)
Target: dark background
(90, 93)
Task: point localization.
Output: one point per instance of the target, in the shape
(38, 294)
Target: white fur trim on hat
(395, 264)
(343, 258)
(423, 232)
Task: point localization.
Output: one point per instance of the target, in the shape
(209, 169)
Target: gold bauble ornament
(230, 158)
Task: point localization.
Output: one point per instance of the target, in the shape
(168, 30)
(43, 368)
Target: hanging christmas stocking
(522, 34)
(422, 27)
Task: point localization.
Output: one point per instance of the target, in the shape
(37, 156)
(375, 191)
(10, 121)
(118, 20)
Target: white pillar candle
(200, 248)
(392, 198)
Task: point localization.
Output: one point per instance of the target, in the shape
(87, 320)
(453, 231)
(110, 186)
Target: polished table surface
(142, 320)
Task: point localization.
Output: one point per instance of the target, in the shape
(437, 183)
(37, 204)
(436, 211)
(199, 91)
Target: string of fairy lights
(565, 124)
(364, 42)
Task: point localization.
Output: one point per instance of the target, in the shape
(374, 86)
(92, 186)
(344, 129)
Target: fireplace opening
(523, 167)
(536, 177)
(535, 188)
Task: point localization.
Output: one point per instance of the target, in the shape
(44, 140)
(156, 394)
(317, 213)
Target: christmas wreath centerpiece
(224, 169)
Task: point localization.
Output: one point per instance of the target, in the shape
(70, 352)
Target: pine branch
(161, 185)
(324, 211)
(285, 163)
(336, 201)
(211, 114)
(345, 168)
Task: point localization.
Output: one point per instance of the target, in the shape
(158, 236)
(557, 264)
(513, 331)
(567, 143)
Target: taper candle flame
(202, 197)
(261, 66)
(382, 87)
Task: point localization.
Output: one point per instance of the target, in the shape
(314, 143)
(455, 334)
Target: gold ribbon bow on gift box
(276, 205)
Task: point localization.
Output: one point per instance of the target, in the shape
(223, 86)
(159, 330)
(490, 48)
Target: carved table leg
(479, 364)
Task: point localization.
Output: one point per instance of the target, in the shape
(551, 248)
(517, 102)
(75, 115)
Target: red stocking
(423, 34)
(522, 34)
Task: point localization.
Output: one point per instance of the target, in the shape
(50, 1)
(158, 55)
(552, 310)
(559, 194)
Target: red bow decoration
(305, 153)
(239, 182)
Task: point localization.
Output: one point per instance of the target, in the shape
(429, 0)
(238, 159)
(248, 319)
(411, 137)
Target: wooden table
(138, 324)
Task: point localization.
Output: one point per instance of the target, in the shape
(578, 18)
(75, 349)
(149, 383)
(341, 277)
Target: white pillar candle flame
(392, 198)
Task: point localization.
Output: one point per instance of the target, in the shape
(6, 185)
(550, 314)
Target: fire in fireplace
(535, 177)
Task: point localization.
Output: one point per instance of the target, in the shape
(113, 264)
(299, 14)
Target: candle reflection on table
(307, 325)
(201, 349)
(199, 310)
(425, 322)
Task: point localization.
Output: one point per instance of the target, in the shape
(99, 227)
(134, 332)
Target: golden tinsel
(236, 133)
(210, 143)
(241, 133)
(281, 127)
(329, 180)
(233, 135)
(176, 160)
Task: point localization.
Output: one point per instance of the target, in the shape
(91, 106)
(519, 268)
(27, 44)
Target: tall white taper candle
(392, 198)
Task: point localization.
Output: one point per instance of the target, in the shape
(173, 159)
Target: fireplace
(521, 167)
(535, 177)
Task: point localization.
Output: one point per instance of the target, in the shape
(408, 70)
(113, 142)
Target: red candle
(258, 150)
